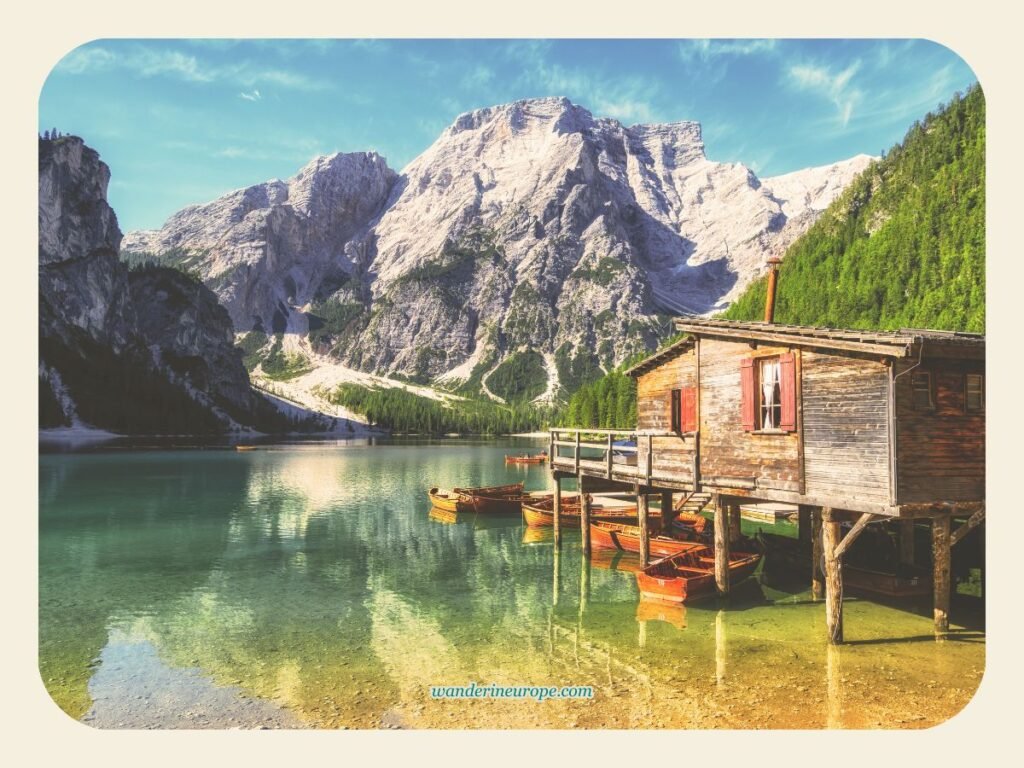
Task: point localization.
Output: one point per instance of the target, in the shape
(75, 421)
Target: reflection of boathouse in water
(853, 426)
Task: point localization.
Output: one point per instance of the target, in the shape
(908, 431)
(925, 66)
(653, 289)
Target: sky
(184, 121)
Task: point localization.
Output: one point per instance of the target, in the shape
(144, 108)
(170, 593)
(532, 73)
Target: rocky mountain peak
(530, 225)
(74, 218)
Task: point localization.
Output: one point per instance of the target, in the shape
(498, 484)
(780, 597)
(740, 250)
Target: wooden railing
(595, 453)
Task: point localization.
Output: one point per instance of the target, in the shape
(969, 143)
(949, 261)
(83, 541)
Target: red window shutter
(689, 398)
(747, 381)
(787, 384)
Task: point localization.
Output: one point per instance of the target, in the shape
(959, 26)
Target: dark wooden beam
(972, 522)
(734, 522)
(668, 512)
(558, 511)
(804, 524)
(907, 541)
(817, 555)
(851, 537)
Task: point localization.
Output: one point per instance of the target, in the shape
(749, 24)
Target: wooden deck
(665, 459)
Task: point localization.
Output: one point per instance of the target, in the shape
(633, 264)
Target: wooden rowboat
(494, 500)
(540, 513)
(245, 447)
(449, 501)
(537, 458)
(691, 574)
(609, 535)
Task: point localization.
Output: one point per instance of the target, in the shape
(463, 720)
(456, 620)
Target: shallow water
(307, 586)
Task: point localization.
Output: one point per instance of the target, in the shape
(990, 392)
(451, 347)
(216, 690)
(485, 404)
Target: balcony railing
(627, 455)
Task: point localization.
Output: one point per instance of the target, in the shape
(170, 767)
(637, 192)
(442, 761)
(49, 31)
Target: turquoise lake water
(307, 586)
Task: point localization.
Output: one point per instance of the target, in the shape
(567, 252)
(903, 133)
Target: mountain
(145, 350)
(904, 245)
(530, 247)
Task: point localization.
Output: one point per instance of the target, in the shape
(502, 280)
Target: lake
(307, 586)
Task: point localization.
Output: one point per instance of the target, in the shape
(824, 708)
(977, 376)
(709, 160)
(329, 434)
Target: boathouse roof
(906, 342)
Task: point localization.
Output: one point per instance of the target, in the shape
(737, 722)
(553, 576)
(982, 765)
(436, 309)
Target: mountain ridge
(530, 225)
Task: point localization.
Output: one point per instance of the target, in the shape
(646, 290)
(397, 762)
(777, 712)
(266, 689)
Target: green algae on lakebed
(306, 585)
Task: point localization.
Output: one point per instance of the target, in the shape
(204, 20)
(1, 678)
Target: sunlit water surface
(307, 586)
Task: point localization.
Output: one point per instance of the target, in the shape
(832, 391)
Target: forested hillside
(904, 245)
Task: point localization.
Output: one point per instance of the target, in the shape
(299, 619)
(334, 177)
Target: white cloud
(837, 87)
(150, 62)
(628, 99)
(254, 95)
(479, 76)
(705, 50)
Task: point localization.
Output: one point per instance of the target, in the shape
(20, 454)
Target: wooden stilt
(558, 511)
(907, 542)
(721, 546)
(667, 511)
(804, 525)
(940, 576)
(645, 536)
(734, 523)
(833, 576)
(585, 504)
(817, 575)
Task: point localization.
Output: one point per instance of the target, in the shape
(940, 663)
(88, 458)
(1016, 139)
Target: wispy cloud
(837, 87)
(706, 50)
(479, 76)
(630, 99)
(147, 62)
(253, 95)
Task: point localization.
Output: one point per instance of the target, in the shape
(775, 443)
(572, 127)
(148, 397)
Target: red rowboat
(691, 574)
(537, 458)
(611, 535)
(540, 513)
(496, 499)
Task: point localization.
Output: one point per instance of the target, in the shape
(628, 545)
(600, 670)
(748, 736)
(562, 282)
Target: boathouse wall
(940, 450)
(731, 455)
(672, 454)
(845, 408)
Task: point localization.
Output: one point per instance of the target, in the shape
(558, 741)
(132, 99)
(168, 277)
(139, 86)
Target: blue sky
(183, 121)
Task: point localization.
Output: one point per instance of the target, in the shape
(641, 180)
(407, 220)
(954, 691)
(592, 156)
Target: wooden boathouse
(851, 426)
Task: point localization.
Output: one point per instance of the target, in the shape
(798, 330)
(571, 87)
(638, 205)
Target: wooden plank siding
(940, 453)
(846, 427)
(771, 461)
(673, 456)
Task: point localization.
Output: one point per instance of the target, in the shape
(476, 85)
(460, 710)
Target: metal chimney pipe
(773, 281)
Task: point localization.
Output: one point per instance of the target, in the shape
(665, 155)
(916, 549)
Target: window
(921, 387)
(683, 410)
(975, 393)
(769, 393)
